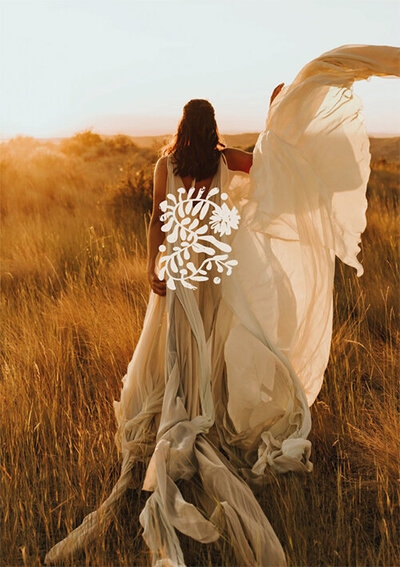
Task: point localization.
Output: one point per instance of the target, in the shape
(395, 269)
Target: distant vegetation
(74, 294)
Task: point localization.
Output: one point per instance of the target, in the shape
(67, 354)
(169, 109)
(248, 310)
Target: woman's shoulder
(162, 164)
(238, 160)
(162, 160)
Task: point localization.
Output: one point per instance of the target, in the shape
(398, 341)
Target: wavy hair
(196, 146)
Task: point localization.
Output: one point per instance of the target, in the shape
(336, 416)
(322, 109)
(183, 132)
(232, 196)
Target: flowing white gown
(222, 377)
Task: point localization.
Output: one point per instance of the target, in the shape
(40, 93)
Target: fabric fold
(307, 198)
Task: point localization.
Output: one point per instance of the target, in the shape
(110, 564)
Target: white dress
(227, 365)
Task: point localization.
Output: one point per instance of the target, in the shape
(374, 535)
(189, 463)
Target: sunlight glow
(130, 66)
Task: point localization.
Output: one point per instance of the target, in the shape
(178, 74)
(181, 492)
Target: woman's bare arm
(238, 160)
(155, 235)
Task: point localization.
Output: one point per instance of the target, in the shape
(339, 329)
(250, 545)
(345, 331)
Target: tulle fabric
(219, 386)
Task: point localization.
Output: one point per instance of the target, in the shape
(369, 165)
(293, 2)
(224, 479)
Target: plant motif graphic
(182, 218)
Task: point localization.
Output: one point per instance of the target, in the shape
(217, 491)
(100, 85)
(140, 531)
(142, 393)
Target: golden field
(74, 292)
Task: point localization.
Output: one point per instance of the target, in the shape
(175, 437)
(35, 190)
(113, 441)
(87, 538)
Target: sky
(129, 66)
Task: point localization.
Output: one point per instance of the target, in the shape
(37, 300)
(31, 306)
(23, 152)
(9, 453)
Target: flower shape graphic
(182, 224)
(224, 218)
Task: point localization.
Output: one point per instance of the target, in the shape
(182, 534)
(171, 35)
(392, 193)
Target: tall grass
(74, 294)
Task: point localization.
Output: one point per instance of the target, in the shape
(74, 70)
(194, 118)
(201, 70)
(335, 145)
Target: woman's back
(236, 160)
(198, 222)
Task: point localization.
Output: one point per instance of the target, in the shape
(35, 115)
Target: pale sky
(129, 66)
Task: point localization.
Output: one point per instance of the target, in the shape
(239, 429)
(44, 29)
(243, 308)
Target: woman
(237, 330)
(203, 145)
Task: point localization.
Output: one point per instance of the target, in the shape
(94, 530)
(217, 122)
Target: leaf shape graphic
(187, 284)
(171, 283)
(191, 266)
(188, 207)
(191, 191)
(202, 229)
(221, 245)
(204, 210)
(194, 223)
(197, 247)
(180, 209)
(179, 259)
(165, 227)
(212, 192)
(172, 237)
(174, 267)
(197, 207)
(199, 278)
(182, 233)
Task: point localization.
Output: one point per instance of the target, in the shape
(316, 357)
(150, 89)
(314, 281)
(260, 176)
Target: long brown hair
(196, 145)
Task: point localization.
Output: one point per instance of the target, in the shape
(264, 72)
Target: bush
(81, 143)
(90, 145)
(120, 143)
(132, 192)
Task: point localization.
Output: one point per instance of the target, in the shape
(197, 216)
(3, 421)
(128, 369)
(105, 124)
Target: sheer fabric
(222, 377)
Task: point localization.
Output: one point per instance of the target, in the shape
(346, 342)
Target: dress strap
(224, 158)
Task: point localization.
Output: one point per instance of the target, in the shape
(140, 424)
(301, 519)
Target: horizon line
(234, 133)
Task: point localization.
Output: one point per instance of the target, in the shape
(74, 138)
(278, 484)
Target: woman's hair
(196, 145)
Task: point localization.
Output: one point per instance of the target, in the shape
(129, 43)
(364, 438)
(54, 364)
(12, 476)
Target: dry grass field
(73, 298)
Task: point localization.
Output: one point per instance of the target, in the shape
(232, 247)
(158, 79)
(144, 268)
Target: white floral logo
(182, 218)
